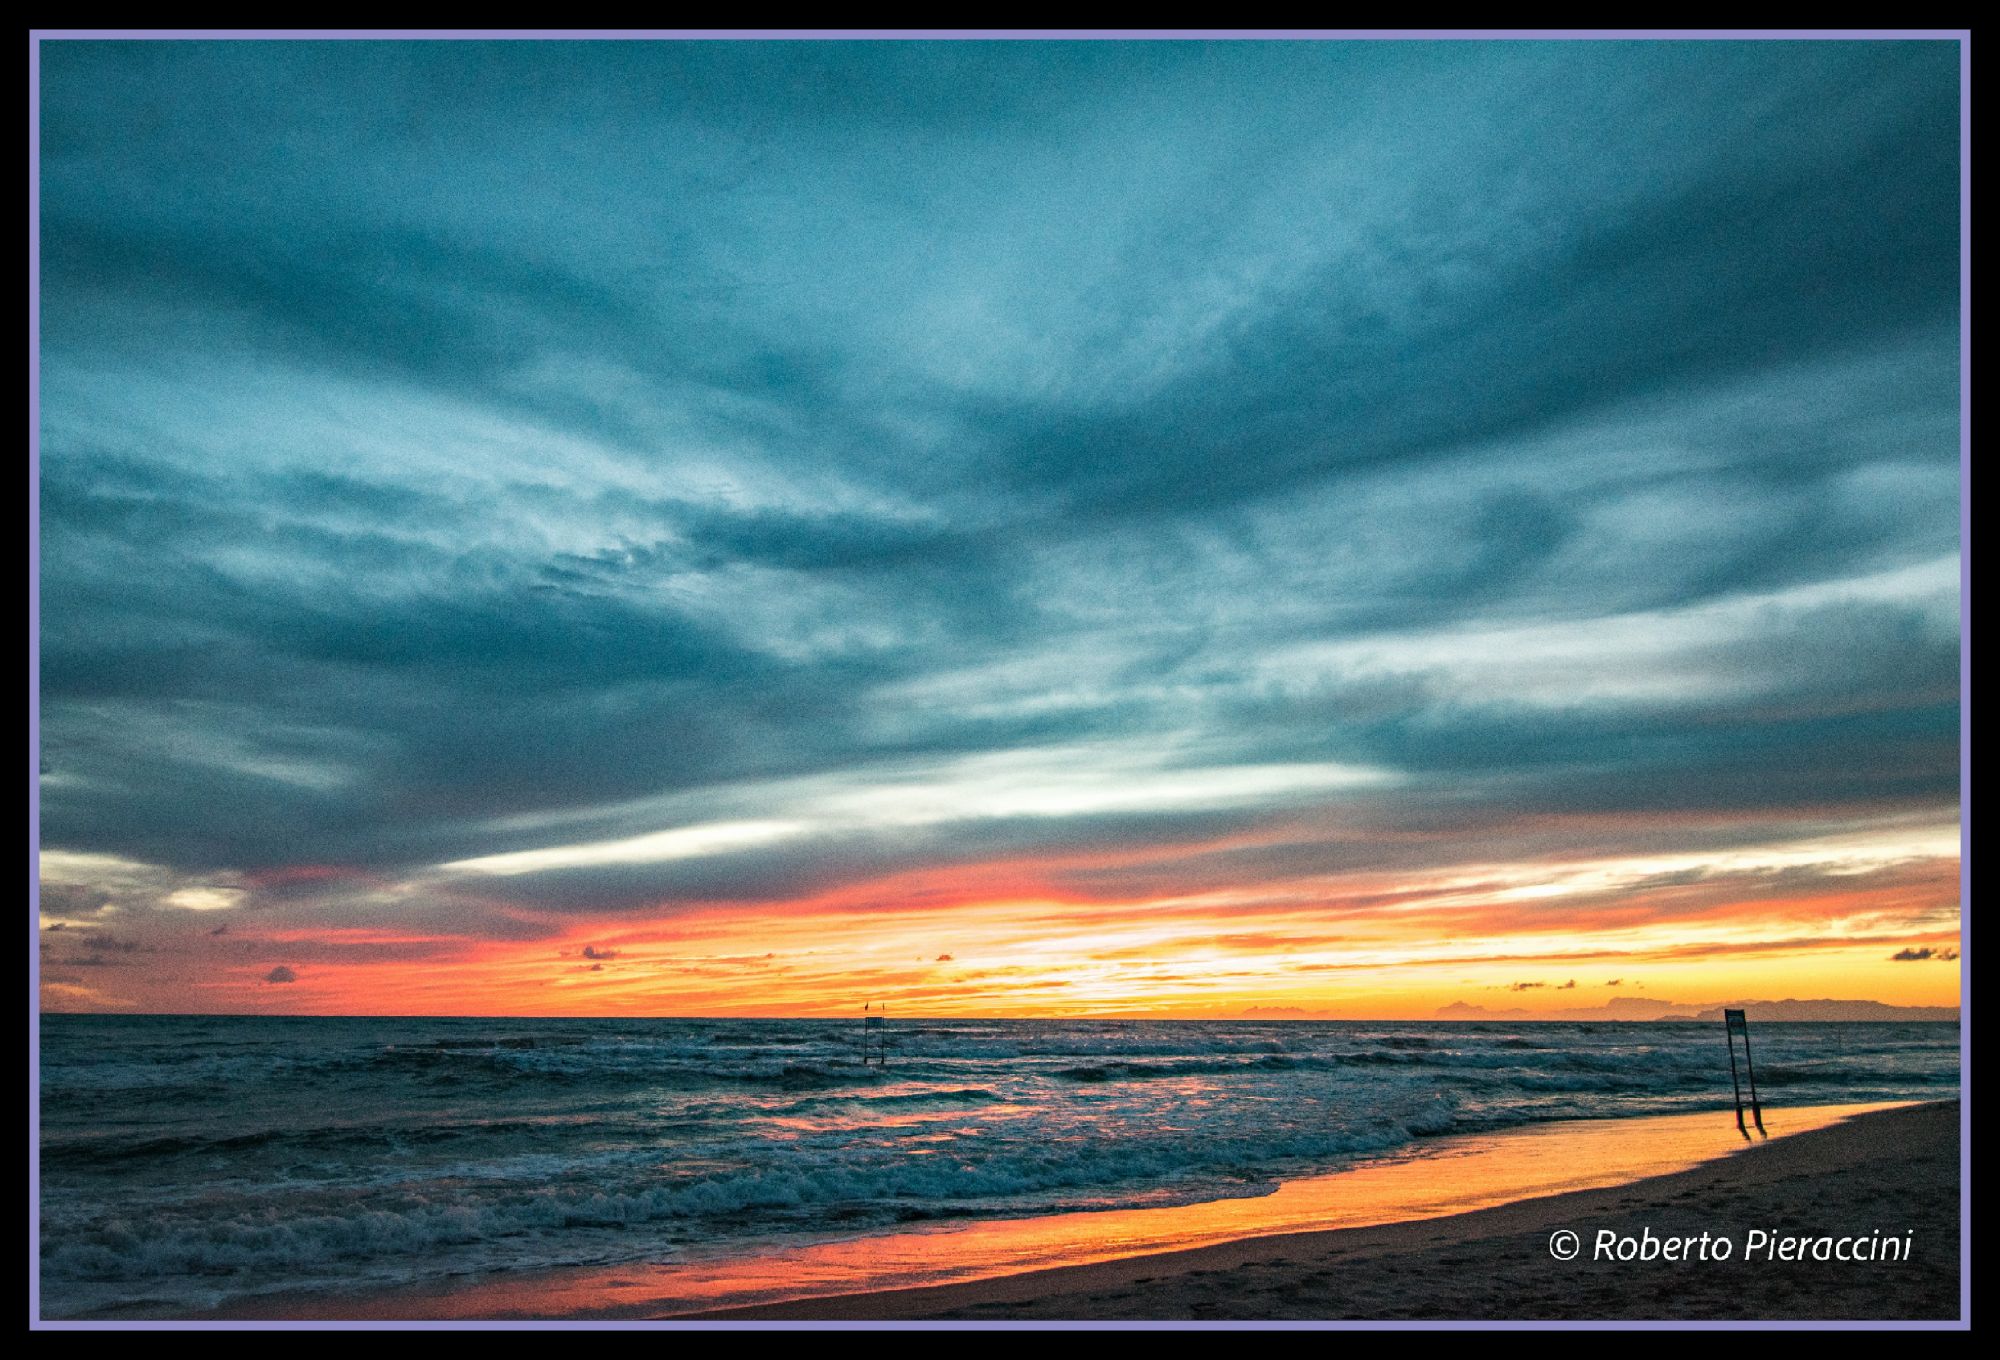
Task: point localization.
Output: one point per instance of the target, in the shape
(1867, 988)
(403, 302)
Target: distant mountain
(1618, 1008)
(1459, 1010)
(1645, 1008)
(1828, 1009)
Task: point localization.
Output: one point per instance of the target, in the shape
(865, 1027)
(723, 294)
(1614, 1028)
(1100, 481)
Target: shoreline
(1210, 1259)
(1894, 1169)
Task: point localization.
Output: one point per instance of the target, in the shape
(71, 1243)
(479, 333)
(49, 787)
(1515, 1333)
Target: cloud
(593, 952)
(491, 503)
(281, 974)
(1921, 954)
(111, 943)
(106, 951)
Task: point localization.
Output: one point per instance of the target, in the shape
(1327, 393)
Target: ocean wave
(280, 1235)
(177, 1154)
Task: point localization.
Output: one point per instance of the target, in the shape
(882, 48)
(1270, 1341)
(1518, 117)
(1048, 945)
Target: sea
(190, 1161)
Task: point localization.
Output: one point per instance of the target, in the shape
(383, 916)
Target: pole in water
(1756, 1109)
(873, 1024)
(1733, 1023)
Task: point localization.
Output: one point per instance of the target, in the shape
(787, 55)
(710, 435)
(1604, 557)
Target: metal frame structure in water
(1733, 1024)
(874, 1036)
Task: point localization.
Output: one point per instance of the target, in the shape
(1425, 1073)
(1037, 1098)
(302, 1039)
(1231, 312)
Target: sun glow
(1868, 913)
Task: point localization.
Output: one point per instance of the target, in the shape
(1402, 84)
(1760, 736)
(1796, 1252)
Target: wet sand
(1890, 1171)
(1459, 1228)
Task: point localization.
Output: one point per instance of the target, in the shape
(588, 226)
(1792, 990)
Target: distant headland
(1647, 1008)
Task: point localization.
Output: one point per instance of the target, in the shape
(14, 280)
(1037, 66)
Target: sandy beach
(1461, 1230)
(1888, 1172)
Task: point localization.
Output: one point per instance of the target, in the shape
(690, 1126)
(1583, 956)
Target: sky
(1002, 528)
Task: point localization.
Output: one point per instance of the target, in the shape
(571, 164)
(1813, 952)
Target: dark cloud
(1923, 954)
(453, 449)
(72, 899)
(105, 951)
(281, 974)
(101, 941)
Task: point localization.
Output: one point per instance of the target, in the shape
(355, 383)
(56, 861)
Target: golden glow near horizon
(1818, 917)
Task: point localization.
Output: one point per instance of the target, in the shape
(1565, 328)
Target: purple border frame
(1963, 37)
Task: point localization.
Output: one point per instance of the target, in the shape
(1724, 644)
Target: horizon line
(1491, 1019)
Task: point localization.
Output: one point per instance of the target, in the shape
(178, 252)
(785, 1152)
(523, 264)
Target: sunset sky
(1185, 528)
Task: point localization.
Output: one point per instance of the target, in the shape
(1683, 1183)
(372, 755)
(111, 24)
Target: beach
(1890, 1171)
(1884, 1178)
(453, 1169)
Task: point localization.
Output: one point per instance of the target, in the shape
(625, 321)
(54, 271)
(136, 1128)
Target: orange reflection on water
(1445, 1176)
